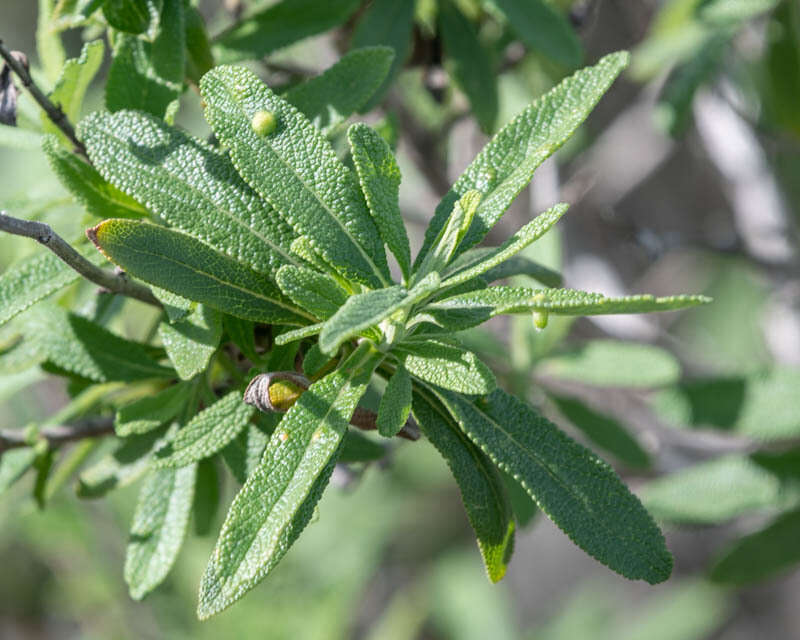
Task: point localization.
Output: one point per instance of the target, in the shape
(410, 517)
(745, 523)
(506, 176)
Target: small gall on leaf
(264, 123)
(540, 319)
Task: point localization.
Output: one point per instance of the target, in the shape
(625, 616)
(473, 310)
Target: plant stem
(53, 111)
(44, 234)
(89, 428)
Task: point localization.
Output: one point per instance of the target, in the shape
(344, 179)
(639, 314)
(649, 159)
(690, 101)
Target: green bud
(540, 319)
(263, 123)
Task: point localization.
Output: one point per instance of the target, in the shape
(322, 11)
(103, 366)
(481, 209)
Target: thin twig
(89, 428)
(53, 111)
(44, 234)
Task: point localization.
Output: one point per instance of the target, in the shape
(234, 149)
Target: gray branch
(44, 234)
(89, 428)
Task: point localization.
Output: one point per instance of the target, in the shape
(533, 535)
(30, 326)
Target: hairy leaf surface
(150, 412)
(447, 366)
(191, 343)
(395, 403)
(317, 293)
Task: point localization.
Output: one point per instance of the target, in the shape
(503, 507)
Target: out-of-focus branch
(53, 111)
(44, 234)
(89, 428)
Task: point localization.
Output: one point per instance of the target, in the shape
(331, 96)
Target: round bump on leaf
(264, 123)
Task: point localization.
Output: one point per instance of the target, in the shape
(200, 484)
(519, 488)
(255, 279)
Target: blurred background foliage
(685, 178)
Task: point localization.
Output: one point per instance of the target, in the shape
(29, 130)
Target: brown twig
(89, 428)
(53, 111)
(44, 234)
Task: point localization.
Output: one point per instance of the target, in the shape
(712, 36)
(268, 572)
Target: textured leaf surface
(761, 554)
(505, 166)
(380, 181)
(280, 25)
(207, 433)
(189, 185)
(179, 263)
(576, 489)
(296, 170)
(469, 64)
(481, 485)
(278, 498)
(150, 412)
(447, 366)
(158, 528)
(712, 492)
(176, 307)
(315, 292)
(131, 16)
(395, 403)
(612, 363)
(244, 452)
(331, 97)
(191, 343)
(86, 349)
(471, 265)
(514, 266)
(476, 307)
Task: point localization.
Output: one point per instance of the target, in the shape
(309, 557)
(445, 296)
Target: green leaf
(611, 363)
(513, 266)
(469, 64)
(380, 178)
(48, 41)
(506, 164)
(191, 343)
(395, 403)
(299, 334)
(476, 307)
(19, 139)
(604, 431)
(296, 170)
(446, 366)
(357, 447)
(722, 12)
(365, 310)
(482, 488)
(179, 263)
(244, 453)
(149, 75)
(207, 433)
(280, 25)
(33, 279)
(150, 412)
(714, 491)
(576, 489)
(158, 528)
(242, 334)
(122, 467)
(389, 23)
(176, 307)
(13, 465)
(331, 97)
(132, 16)
(88, 187)
(522, 504)
(206, 497)
(315, 292)
(189, 185)
(447, 241)
(70, 90)
(470, 265)
(277, 501)
(543, 28)
(314, 360)
(762, 554)
(86, 349)
(199, 58)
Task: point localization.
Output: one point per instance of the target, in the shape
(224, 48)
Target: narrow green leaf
(191, 343)
(576, 489)
(13, 465)
(189, 185)
(158, 528)
(482, 488)
(446, 243)
(242, 334)
(380, 178)
(543, 28)
(86, 349)
(604, 431)
(314, 360)
(277, 501)
(365, 310)
(388, 23)
(132, 16)
(48, 41)
(513, 266)
(206, 497)
(395, 403)
(245, 451)
(762, 554)
(207, 433)
(505, 166)
(713, 492)
(176, 307)
(70, 90)
(280, 25)
(179, 263)
(447, 366)
(476, 307)
(296, 170)
(315, 292)
(469, 64)
(470, 265)
(150, 412)
(199, 58)
(333, 96)
(523, 506)
(299, 334)
(87, 186)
